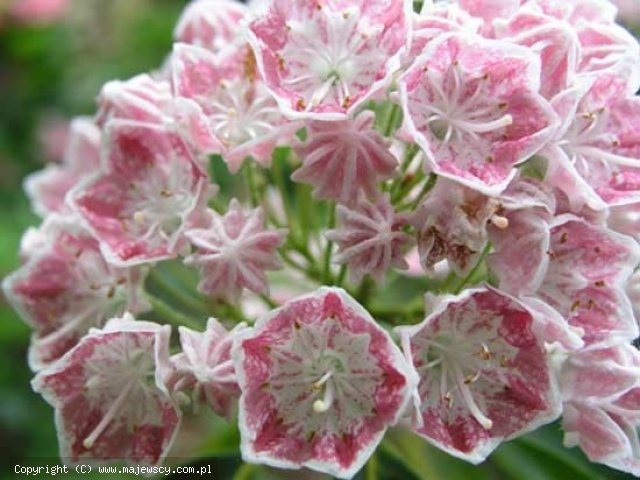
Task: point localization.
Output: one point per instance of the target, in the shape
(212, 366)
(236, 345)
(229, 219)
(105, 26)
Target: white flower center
(241, 112)
(160, 199)
(120, 374)
(454, 115)
(328, 56)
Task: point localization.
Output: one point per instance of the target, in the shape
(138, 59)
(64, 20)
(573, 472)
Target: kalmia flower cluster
(488, 148)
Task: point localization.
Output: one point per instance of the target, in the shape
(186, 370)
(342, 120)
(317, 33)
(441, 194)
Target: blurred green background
(52, 65)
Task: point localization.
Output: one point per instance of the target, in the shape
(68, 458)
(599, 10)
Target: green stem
(474, 270)
(245, 472)
(392, 118)
(326, 271)
(254, 193)
(171, 315)
(371, 470)
(429, 184)
(341, 276)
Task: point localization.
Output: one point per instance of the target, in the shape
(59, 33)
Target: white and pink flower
(48, 188)
(204, 367)
(234, 251)
(323, 60)
(138, 205)
(484, 374)
(110, 402)
(344, 159)
(473, 107)
(370, 239)
(321, 382)
(67, 287)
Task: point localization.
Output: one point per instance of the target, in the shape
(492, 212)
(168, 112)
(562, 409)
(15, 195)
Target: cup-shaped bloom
(344, 159)
(322, 60)
(66, 287)
(234, 251)
(601, 390)
(222, 106)
(48, 188)
(594, 156)
(210, 24)
(370, 239)
(555, 42)
(454, 221)
(585, 279)
(473, 107)
(204, 367)
(139, 203)
(484, 374)
(110, 404)
(321, 382)
(141, 98)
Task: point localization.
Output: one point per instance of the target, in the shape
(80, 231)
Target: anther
(499, 221)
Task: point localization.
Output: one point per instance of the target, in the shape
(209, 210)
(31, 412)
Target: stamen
(324, 404)
(109, 416)
(499, 221)
(470, 402)
(139, 217)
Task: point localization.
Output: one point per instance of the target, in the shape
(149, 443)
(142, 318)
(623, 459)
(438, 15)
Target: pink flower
(138, 205)
(452, 222)
(140, 98)
(472, 105)
(234, 252)
(110, 404)
(323, 60)
(210, 24)
(602, 399)
(436, 19)
(321, 382)
(484, 375)
(48, 188)
(66, 287)
(553, 40)
(605, 46)
(370, 239)
(224, 107)
(343, 159)
(593, 157)
(204, 366)
(585, 279)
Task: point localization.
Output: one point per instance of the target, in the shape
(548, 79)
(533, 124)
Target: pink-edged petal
(484, 374)
(586, 275)
(324, 60)
(321, 382)
(137, 206)
(473, 107)
(67, 287)
(109, 404)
